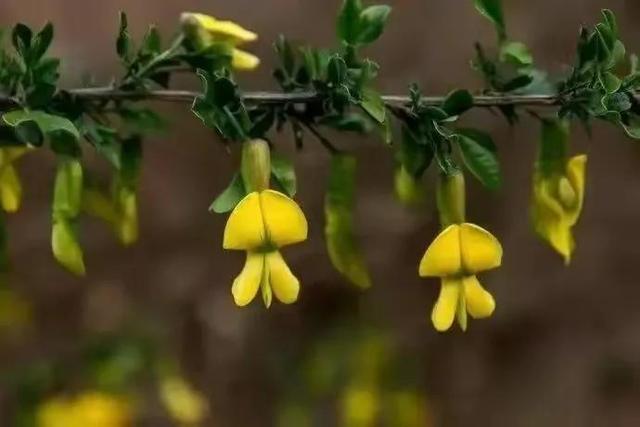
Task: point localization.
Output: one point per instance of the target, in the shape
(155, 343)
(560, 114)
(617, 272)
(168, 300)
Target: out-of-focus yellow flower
(185, 405)
(360, 406)
(459, 252)
(204, 30)
(15, 311)
(408, 409)
(90, 409)
(260, 224)
(456, 255)
(10, 186)
(557, 204)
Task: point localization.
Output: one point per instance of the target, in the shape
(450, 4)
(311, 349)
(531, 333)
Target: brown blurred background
(563, 348)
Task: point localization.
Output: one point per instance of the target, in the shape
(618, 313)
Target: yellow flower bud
(66, 248)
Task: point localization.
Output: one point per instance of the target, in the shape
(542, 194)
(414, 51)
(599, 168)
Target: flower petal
(576, 173)
(225, 29)
(442, 257)
(241, 60)
(245, 226)
(445, 308)
(480, 303)
(284, 220)
(480, 249)
(10, 189)
(246, 285)
(461, 313)
(284, 284)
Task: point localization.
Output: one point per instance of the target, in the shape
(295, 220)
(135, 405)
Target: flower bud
(256, 165)
(450, 197)
(409, 190)
(66, 249)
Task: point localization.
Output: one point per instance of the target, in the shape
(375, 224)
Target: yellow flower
(456, 255)
(184, 404)
(89, 409)
(557, 203)
(260, 224)
(10, 186)
(205, 30)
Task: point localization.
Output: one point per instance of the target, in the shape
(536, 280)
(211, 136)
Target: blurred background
(563, 348)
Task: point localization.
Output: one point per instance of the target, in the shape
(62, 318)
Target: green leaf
(336, 70)
(610, 20)
(457, 102)
(152, 42)
(492, 10)
(29, 133)
(343, 248)
(631, 126)
(349, 21)
(616, 102)
(482, 138)
(553, 146)
(373, 104)
(372, 22)
(516, 53)
(415, 156)
(61, 131)
(21, 37)
(481, 161)
(610, 82)
(230, 197)
(283, 174)
(123, 42)
(41, 42)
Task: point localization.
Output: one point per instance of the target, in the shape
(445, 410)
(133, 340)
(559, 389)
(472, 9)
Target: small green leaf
(230, 197)
(61, 131)
(457, 102)
(481, 161)
(616, 102)
(492, 10)
(152, 42)
(610, 82)
(610, 20)
(482, 138)
(283, 174)
(336, 70)
(631, 126)
(373, 104)
(343, 248)
(415, 156)
(21, 37)
(349, 21)
(123, 42)
(516, 53)
(372, 22)
(41, 42)
(29, 133)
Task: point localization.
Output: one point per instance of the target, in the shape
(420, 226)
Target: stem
(323, 140)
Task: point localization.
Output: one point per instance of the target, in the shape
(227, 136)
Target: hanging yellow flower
(456, 256)
(204, 30)
(261, 223)
(89, 409)
(459, 252)
(185, 404)
(557, 204)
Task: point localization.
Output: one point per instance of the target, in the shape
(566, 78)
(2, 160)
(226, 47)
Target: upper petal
(480, 249)
(284, 284)
(576, 173)
(444, 311)
(442, 257)
(245, 226)
(480, 303)
(245, 286)
(284, 220)
(228, 29)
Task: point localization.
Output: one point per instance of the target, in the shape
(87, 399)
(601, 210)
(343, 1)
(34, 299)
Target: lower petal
(445, 309)
(246, 285)
(480, 303)
(283, 283)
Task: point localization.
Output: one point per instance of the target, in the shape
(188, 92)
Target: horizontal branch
(302, 97)
(185, 96)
